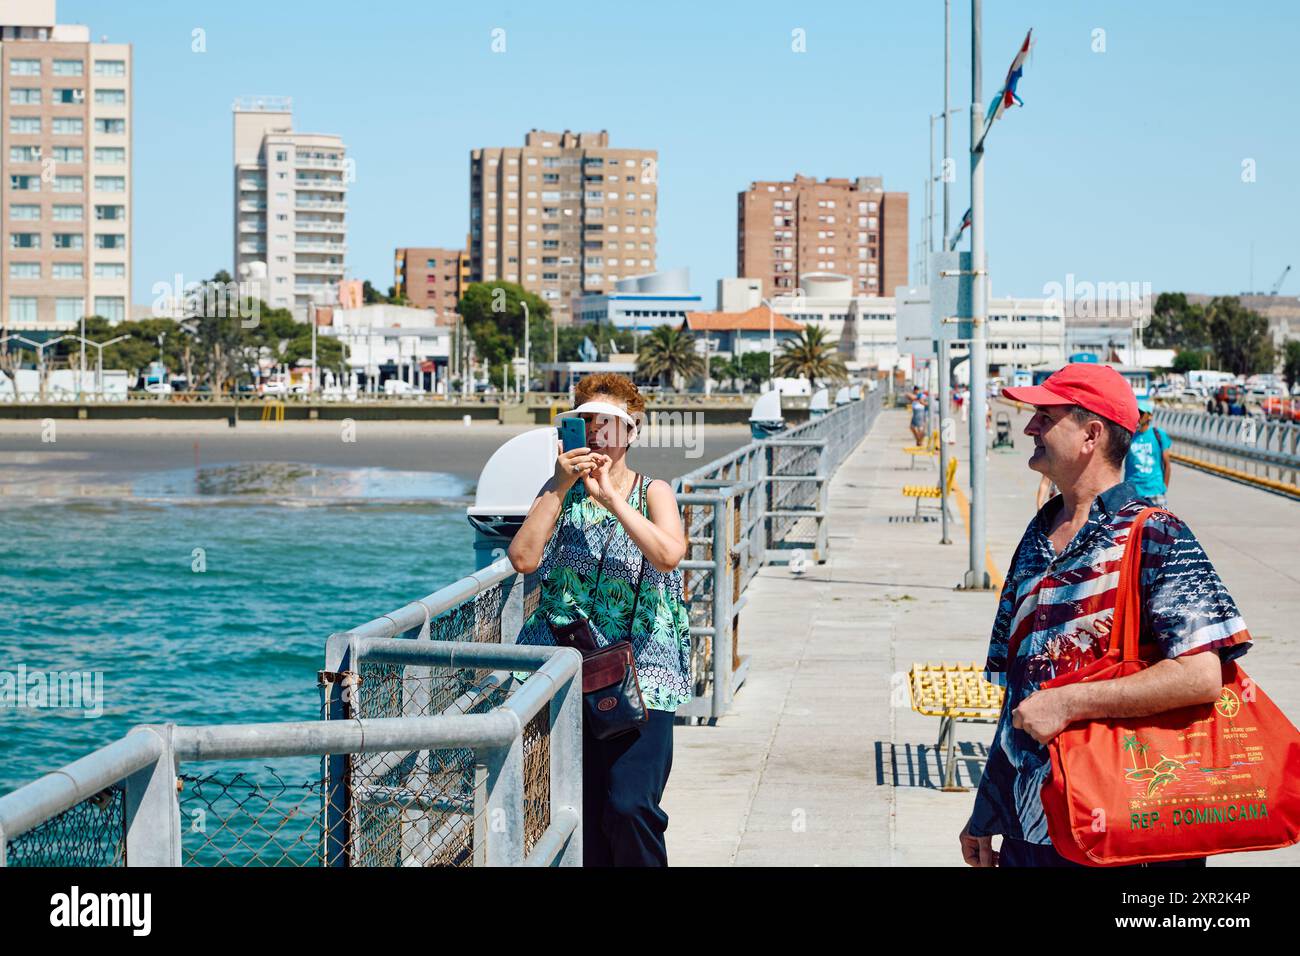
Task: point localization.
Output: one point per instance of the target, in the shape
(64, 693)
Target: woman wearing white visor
(607, 542)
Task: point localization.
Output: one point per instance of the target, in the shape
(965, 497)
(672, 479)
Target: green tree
(809, 355)
(1175, 324)
(221, 340)
(1291, 363)
(493, 313)
(755, 367)
(330, 352)
(668, 355)
(1185, 360)
(1242, 342)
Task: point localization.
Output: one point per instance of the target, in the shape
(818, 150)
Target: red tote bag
(1210, 778)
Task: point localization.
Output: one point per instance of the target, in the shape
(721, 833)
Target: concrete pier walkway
(822, 761)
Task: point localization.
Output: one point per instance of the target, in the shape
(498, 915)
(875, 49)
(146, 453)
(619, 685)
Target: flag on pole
(1007, 95)
(961, 227)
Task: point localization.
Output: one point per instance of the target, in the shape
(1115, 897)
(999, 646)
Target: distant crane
(1280, 279)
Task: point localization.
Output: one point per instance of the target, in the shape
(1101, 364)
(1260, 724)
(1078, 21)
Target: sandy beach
(90, 452)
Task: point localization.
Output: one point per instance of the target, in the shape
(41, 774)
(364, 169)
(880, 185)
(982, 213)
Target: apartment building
(849, 227)
(565, 215)
(431, 277)
(290, 206)
(66, 159)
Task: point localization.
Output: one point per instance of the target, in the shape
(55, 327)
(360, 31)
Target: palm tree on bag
(812, 357)
(668, 354)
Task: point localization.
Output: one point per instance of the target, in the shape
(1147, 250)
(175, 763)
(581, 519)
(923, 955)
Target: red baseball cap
(1098, 388)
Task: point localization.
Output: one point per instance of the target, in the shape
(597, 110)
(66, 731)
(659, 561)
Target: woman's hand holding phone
(575, 464)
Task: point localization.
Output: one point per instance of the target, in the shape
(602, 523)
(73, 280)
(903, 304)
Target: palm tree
(811, 356)
(1131, 743)
(668, 353)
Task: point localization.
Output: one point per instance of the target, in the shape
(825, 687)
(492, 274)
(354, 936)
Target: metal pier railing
(429, 751)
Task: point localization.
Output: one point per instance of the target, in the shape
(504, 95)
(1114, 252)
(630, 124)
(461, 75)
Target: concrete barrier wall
(728, 414)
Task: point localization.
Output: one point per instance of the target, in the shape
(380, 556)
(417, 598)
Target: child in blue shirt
(1147, 465)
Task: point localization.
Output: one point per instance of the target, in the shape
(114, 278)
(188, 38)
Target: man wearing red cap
(1059, 599)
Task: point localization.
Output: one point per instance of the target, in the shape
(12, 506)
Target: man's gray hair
(1118, 437)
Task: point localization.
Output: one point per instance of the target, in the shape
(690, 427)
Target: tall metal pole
(929, 205)
(941, 345)
(314, 316)
(977, 576)
(947, 109)
(81, 370)
(527, 349)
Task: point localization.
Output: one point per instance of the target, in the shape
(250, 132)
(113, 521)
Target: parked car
(159, 388)
(275, 387)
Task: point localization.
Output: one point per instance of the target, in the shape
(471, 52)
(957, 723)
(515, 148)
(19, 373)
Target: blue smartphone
(573, 433)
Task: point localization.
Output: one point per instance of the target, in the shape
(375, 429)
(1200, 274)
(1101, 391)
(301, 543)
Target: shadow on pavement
(921, 765)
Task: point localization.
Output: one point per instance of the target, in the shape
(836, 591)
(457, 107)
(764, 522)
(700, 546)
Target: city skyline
(1144, 160)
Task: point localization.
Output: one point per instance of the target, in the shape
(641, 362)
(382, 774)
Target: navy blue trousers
(1021, 853)
(623, 780)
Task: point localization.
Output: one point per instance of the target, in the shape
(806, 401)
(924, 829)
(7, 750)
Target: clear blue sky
(1123, 166)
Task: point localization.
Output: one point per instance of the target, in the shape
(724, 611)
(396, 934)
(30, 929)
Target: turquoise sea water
(290, 554)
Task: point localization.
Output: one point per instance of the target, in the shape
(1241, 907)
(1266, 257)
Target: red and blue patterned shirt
(1056, 609)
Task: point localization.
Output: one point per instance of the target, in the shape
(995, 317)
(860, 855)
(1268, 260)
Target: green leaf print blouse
(660, 635)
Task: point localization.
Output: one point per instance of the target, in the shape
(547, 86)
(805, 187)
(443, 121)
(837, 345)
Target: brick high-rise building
(851, 227)
(66, 172)
(564, 215)
(431, 278)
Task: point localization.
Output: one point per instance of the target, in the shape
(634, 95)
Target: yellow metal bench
(953, 692)
(931, 492)
(929, 448)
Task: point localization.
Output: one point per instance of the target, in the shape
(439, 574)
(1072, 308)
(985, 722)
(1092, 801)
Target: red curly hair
(612, 384)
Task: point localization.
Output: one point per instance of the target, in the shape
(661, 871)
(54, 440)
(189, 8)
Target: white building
(393, 342)
(1021, 332)
(639, 303)
(290, 206)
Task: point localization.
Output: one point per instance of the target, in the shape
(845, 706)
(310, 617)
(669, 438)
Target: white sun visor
(599, 408)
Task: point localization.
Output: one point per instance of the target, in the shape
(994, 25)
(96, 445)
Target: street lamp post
(527, 350)
(941, 349)
(99, 363)
(771, 336)
(315, 309)
(40, 348)
(81, 363)
(99, 358)
(708, 352)
(162, 367)
(977, 576)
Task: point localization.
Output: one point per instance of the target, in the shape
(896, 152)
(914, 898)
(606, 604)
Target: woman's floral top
(660, 635)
